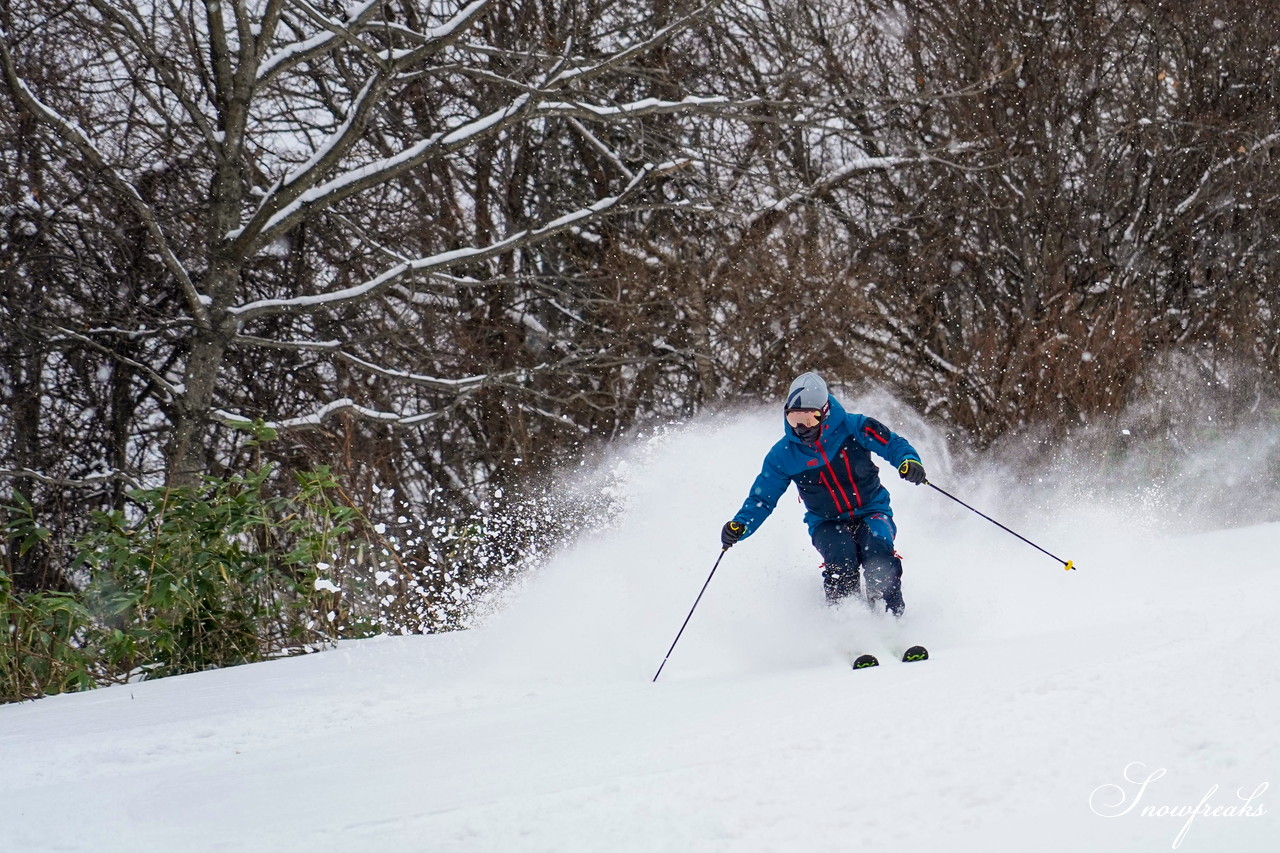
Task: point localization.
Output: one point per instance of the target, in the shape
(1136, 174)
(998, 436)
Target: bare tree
(444, 246)
(284, 116)
(1076, 189)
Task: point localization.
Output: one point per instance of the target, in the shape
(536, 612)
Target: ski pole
(1066, 564)
(723, 551)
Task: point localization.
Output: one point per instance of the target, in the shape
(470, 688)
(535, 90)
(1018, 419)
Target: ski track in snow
(541, 731)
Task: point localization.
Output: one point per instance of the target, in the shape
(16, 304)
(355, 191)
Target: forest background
(304, 305)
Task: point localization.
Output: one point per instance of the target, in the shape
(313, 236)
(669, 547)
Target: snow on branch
(824, 184)
(461, 388)
(316, 418)
(442, 260)
(171, 388)
(333, 34)
(562, 420)
(72, 482)
(645, 106)
(295, 346)
(603, 150)
(436, 383)
(327, 155)
(305, 192)
(297, 191)
(268, 222)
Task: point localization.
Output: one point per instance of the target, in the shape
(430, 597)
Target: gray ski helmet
(809, 391)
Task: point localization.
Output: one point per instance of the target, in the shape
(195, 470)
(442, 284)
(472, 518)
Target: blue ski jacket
(836, 477)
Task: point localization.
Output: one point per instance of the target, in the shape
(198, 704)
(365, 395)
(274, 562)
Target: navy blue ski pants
(867, 544)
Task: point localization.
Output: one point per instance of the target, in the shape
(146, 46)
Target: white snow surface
(1049, 699)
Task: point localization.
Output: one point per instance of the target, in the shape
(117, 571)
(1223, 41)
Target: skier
(826, 452)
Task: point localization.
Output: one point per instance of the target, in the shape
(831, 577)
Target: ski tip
(865, 662)
(915, 653)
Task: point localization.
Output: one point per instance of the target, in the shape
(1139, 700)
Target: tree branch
(421, 266)
(93, 480)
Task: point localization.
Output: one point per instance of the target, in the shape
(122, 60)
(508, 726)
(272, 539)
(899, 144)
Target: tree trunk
(185, 458)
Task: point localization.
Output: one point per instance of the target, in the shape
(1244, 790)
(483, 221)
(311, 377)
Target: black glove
(912, 471)
(732, 532)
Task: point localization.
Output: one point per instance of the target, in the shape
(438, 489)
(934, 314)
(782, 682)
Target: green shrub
(215, 576)
(185, 580)
(42, 650)
(241, 569)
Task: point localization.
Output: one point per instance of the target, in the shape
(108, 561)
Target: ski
(915, 653)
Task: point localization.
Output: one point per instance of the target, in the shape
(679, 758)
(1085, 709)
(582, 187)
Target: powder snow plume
(609, 605)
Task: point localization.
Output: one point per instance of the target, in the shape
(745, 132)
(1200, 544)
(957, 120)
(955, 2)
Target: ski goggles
(804, 417)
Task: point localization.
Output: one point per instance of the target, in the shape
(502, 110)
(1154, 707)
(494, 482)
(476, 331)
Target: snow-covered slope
(1050, 697)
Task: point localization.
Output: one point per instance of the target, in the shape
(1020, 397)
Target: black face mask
(809, 434)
